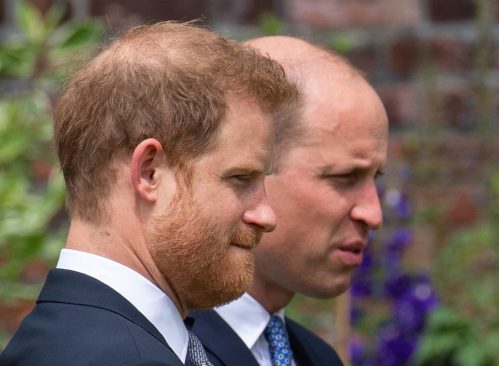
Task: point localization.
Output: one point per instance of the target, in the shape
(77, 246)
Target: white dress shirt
(248, 319)
(153, 303)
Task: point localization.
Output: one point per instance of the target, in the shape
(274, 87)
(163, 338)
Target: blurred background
(427, 292)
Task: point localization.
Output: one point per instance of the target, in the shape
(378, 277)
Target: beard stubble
(195, 255)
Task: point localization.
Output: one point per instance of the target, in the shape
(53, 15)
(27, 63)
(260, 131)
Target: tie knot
(276, 335)
(196, 356)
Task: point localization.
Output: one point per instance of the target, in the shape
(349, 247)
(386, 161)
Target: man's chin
(212, 300)
(328, 292)
(225, 287)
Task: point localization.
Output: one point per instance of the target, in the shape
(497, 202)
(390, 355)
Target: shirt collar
(150, 300)
(247, 317)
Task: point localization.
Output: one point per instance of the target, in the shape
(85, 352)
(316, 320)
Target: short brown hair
(168, 81)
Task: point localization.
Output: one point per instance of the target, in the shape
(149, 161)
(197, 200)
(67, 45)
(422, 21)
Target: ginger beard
(196, 257)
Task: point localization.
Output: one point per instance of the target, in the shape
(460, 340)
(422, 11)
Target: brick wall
(421, 55)
(435, 66)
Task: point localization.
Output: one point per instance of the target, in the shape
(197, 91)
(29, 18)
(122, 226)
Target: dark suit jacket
(78, 320)
(225, 348)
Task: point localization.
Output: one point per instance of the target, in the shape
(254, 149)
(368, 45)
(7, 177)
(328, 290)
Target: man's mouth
(247, 246)
(351, 253)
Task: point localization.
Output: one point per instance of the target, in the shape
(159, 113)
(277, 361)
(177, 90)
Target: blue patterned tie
(196, 356)
(276, 335)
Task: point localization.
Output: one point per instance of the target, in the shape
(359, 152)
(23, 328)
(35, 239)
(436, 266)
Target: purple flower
(394, 248)
(411, 309)
(357, 352)
(399, 202)
(361, 287)
(394, 347)
(362, 278)
(399, 240)
(367, 261)
(403, 207)
(397, 284)
(355, 315)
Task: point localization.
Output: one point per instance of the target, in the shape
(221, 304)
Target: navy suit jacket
(78, 320)
(224, 347)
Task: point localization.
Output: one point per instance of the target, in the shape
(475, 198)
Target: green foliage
(465, 331)
(271, 25)
(343, 43)
(44, 46)
(451, 339)
(32, 64)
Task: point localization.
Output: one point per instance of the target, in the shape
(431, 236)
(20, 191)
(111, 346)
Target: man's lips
(351, 253)
(247, 246)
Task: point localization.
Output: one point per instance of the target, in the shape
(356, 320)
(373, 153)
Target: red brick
(11, 314)
(464, 159)
(41, 170)
(463, 209)
(399, 101)
(124, 13)
(492, 46)
(245, 12)
(451, 54)
(457, 108)
(419, 255)
(451, 10)
(35, 271)
(355, 13)
(405, 55)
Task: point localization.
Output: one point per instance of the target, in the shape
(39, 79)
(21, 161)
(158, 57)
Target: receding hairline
(150, 45)
(305, 64)
(299, 57)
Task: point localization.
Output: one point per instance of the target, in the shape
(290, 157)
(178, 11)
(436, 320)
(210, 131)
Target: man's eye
(344, 178)
(241, 179)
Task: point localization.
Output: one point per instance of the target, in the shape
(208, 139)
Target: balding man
(164, 139)
(324, 194)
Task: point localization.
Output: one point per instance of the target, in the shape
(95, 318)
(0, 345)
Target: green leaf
(74, 35)
(12, 147)
(343, 43)
(435, 348)
(270, 24)
(17, 59)
(471, 354)
(444, 320)
(30, 21)
(54, 16)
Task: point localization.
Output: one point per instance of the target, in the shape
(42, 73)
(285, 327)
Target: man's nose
(367, 208)
(261, 215)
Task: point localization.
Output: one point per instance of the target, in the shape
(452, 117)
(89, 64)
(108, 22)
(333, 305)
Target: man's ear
(147, 157)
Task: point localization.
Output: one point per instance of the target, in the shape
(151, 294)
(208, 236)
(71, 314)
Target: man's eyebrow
(347, 168)
(243, 169)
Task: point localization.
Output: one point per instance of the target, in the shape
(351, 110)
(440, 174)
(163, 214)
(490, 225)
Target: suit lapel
(226, 346)
(300, 347)
(77, 288)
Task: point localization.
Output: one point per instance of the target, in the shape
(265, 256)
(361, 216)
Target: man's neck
(125, 246)
(272, 298)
